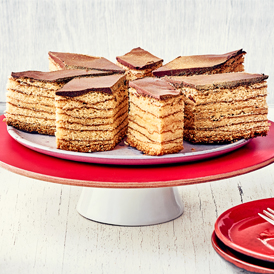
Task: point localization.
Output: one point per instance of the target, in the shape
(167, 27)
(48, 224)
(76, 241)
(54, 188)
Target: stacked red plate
(244, 239)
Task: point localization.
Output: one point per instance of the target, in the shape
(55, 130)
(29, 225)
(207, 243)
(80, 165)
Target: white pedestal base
(130, 207)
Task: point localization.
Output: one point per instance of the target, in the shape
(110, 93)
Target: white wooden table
(41, 231)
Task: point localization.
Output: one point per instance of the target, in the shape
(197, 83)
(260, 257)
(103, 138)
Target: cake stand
(132, 195)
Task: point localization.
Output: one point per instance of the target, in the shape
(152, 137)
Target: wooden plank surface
(41, 231)
(29, 29)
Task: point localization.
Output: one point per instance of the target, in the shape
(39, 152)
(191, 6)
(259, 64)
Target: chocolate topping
(81, 86)
(195, 64)
(222, 80)
(138, 59)
(84, 61)
(57, 76)
(154, 87)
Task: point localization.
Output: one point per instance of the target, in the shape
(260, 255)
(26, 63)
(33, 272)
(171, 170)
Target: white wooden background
(41, 231)
(167, 28)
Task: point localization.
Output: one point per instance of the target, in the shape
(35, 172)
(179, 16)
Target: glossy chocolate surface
(154, 87)
(195, 64)
(64, 59)
(57, 76)
(222, 80)
(81, 86)
(139, 59)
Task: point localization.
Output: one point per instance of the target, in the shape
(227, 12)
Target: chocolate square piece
(139, 63)
(203, 64)
(63, 60)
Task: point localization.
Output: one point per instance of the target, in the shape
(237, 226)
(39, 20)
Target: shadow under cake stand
(132, 195)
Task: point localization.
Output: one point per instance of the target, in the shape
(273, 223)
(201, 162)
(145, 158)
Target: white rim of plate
(121, 159)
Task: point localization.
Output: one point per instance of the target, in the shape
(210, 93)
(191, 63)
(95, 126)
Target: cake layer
(153, 148)
(29, 99)
(34, 107)
(158, 115)
(95, 100)
(222, 134)
(89, 112)
(13, 109)
(240, 93)
(91, 146)
(35, 90)
(95, 120)
(96, 124)
(200, 117)
(33, 120)
(160, 124)
(200, 124)
(32, 124)
(203, 64)
(166, 135)
(224, 107)
(95, 134)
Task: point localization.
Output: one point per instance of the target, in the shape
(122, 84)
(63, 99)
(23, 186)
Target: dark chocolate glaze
(84, 61)
(222, 80)
(195, 64)
(81, 86)
(139, 59)
(154, 87)
(57, 76)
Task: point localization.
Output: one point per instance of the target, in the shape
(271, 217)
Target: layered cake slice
(203, 64)
(65, 60)
(139, 63)
(31, 98)
(224, 107)
(156, 117)
(92, 113)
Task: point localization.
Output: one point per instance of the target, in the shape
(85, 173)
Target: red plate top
(257, 153)
(241, 229)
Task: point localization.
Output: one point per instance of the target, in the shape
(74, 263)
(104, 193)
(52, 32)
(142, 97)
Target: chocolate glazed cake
(92, 113)
(156, 117)
(31, 98)
(223, 107)
(64, 60)
(139, 63)
(203, 64)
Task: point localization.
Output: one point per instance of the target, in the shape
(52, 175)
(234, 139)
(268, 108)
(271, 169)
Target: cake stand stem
(130, 207)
